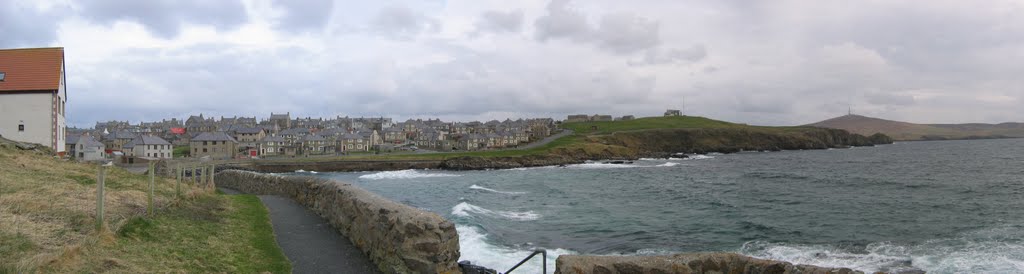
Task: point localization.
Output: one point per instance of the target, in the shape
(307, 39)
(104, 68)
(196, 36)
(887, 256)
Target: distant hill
(904, 131)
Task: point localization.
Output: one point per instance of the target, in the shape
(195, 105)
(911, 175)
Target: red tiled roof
(31, 69)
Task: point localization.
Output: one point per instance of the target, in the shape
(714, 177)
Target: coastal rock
(478, 163)
(685, 263)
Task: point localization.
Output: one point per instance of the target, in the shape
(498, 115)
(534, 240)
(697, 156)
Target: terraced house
(33, 96)
(216, 145)
(146, 146)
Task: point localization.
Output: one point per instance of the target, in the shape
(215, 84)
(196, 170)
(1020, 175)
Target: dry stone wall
(396, 237)
(684, 264)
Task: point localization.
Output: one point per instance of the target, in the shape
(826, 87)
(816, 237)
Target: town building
(216, 145)
(33, 96)
(86, 148)
(147, 146)
(673, 112)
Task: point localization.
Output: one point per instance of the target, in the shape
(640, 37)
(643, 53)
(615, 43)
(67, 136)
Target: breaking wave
(496, 191)
(475, 247)
(668, 164)
(999, 250)
(404, 174)
(465, 209)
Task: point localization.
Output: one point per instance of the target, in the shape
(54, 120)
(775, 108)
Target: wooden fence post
(100, 178)
(152, 185)
(177, 187)
(213, 172)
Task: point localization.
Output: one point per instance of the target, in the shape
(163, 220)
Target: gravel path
(310, 243)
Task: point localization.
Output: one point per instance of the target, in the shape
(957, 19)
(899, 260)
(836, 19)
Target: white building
(88, 149)
(146, 146)
(33, 96)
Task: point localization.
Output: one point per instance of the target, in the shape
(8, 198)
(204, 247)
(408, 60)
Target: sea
(940, 206)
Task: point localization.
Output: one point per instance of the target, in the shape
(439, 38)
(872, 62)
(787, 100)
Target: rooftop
(34, 69)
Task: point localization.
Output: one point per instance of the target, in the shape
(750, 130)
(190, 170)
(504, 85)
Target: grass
(588, 128)
(47, 223)
(181, 151)
(218, 233)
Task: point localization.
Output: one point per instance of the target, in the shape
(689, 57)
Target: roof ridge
(39, 48)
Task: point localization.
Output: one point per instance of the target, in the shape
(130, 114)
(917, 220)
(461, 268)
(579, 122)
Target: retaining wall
(396, 237)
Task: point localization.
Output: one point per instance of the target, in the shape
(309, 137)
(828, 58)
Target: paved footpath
(310, 243)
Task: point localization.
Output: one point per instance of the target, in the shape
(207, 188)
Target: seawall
(685, 263)
(396, 237)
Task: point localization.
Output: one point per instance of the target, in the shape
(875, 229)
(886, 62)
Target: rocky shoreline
(630, 145)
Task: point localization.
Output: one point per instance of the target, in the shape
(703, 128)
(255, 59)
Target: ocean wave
(475, 246)
(496, 191)
(465, 209)
(600, 166)
(668, 164)
(404, 174)
(994, 250)
(700, 157)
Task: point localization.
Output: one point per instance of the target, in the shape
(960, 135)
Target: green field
(588, 128)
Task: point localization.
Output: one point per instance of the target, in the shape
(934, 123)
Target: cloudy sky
(758, 62)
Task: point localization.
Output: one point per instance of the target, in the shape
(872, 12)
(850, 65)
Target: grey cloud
(619, 33)
(889, 99)
(164, 17)
(562, 22)
(657, 56)
(499, 22)
(304, 14)
(626, 33)
(23, 26)
(403, 23)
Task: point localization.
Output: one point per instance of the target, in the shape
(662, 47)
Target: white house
(33, 96)
(88, 149)
(151, 147)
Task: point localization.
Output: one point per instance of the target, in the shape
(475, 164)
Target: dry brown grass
(48, 210)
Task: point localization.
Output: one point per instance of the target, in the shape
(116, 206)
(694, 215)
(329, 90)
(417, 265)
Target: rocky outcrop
(730, 140)
(396, 237)
(278, 166)
(477, 163)
(685, 263)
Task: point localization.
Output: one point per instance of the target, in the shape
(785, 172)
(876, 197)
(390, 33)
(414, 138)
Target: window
(204, 143)
(204, 150)
(2, 76)
(21, 127)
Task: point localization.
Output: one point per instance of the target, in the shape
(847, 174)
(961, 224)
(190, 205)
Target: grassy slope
(579, 140)
(47, 209)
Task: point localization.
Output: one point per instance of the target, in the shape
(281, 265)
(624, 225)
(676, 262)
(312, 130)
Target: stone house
(147, 146)
(283, 121)
(673, 112)
(115, 141)
(87, 148)
(394, 135)
(248, 136)
(272, 145)
(294, 135)
(316, 145)
(578, 118)
(33, 96)
(216, 145)
(601, 118)
(472, 142)
(353, 142)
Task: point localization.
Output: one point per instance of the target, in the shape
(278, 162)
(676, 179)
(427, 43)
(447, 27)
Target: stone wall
(396, 237)
(685, 263)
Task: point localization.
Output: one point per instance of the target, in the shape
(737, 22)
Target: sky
(758, 62)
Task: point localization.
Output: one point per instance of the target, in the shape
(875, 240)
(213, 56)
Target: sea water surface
(943, 207)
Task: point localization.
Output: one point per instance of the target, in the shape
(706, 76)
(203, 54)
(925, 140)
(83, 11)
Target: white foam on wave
(668, 164)
(465, 209)
(700, 157)
(300, 171)
(496, 191)
(600, 166)
(404, 174)
(996, 250)
(474, 247)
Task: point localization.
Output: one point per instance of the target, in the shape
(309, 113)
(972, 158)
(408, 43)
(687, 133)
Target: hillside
(904, 131)
(47, 222)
